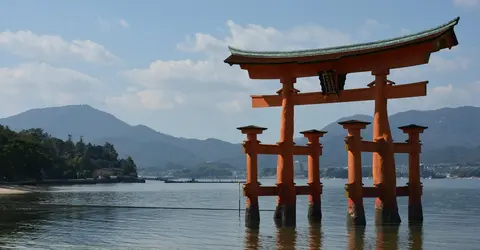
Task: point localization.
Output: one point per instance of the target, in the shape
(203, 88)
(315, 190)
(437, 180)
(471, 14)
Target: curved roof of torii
(439, 38)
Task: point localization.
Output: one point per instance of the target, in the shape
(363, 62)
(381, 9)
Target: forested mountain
(452, 136)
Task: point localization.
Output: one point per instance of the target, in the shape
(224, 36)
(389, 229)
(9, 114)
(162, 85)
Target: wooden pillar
(285, 211)
(383, 162)
(354, 187)
(415, 210)
(251, 187)
(314, 198)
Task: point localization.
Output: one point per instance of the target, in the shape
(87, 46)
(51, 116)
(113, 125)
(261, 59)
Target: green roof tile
(344, 49)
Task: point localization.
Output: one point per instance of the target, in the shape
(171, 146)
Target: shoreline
(68, 182)
(24, 187)
(13, 189)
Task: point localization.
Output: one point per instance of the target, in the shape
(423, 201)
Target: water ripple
(143, 216)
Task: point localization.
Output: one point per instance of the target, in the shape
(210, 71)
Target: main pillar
(285, 211)
(251, 187)
(415, 210)
(315, 196)
(354, 187)
(383, 162)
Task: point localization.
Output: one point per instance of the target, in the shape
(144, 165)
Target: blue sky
(160, 63)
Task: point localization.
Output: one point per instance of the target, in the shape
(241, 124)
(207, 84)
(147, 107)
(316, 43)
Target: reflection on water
(286, 237)
(252, 238)
(128, 217)
(386, 238)
(356, 237)
(16, 220)
(315, 235)
(415, 236)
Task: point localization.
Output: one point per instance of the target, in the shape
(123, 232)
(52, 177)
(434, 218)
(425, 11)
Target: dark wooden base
(415, 213)
(285, 215)
(315, 212)
(386, 215)
(252, 216)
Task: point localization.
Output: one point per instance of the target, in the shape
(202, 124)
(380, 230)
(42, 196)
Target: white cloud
(206, 86)
(209, 83)
(467, 3)
(150, 99)
(212, 83)
(34, 85)
(450, 95)
(455, 64)
(124, 23)
(29, 45)
(257, 37)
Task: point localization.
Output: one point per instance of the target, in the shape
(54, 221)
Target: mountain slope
(78, 120)
(454, 128)
(452, 136)
(147, 146)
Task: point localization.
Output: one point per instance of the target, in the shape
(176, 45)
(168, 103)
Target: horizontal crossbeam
(373, 192)
(351, 95)
(273, 149)
(398, 147)
(273, 190)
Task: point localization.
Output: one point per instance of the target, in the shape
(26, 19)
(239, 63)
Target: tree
(129, 168)
(80, 146)
(32, 155)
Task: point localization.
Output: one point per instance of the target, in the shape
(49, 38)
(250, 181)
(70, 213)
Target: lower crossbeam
(374, 192)
(273, 190)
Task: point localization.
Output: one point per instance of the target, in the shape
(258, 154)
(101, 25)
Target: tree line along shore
(31, 157)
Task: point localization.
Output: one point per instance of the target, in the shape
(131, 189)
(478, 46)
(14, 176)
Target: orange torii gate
(332, 65)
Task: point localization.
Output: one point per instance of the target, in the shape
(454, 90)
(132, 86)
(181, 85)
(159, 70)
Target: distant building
(102, 173)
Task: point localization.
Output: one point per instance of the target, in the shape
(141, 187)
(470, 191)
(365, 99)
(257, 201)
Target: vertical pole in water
(415, 210)
(251, 186)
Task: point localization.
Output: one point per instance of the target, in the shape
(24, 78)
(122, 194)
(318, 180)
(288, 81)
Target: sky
(160, 63)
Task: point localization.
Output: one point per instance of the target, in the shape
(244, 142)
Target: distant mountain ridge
(452, 133)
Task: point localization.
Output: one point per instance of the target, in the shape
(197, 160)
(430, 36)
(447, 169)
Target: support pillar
(354, 187)
(315, 196)
(383, 162)
(415, 210)
(285, 212)
(251, 187)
